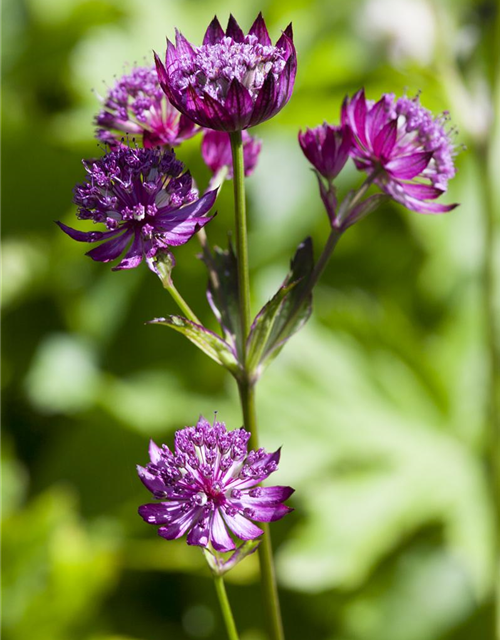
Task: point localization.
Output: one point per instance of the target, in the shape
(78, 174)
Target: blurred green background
(380, 403)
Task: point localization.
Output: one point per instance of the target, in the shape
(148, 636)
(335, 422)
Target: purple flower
(136, 105)
(209, 485)
(144, 200)
(327, 148)
(216, 152)
(232, 81)
(409, 149)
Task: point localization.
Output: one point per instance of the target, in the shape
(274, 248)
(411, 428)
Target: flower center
(214, 66)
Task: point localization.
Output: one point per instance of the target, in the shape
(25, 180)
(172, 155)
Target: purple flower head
(233, 81)
(136, 105)
(209, 484)
(410, 150)
(216, 151)
(327, 148)
(145, 202)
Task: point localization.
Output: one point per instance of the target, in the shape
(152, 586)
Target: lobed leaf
(209, 342)
(223, 293)
(284, 314)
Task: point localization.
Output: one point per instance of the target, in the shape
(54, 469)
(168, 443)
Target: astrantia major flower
(137, 106)
(327, 148)
(216, 152)
(410, 150)
(233, 81)
(208, 487)
(144, 200)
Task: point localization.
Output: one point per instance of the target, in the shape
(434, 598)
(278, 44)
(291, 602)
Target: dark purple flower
(409, 149)
(137, 106)
(145, 201)
(327, 148)
(233, 81)
(216, 151)
(209, 485)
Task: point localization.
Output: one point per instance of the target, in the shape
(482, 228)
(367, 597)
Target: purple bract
(327, 148)
(233, 81)
(137, 106)
(209, 485)
(216, 151)
(144, 200)
(408, 148)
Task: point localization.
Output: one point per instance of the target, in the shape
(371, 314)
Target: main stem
(268, 574)
(241, 233)
(227, 614)
(246, 388)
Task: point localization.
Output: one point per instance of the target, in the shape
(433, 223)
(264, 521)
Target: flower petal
(182, 45)
(265, 102)
(87, 236)
(239, 103)
(376, 119)
(110, 249)
(259, 29)
(386, 139)
(199, 534)
(134, 255)
(241, 527)
(233, 30)
(286, 41)
(197, 208)
(214, 32)
(408, 167)
(153, 483)
(265, 513)
(422, 191)
(178, 528)
(160, 512)
(271, 495)
(154, 452)
(219, 537)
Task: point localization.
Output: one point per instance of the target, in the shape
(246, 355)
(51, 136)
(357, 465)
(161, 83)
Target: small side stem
(181, 303)
(268, 576)
(227, 614)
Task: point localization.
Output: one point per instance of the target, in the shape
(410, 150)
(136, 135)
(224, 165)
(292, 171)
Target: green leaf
(222, 293)
(284, 314)
(209, 342)
(263, 325)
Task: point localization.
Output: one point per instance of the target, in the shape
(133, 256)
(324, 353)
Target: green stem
(335, 234)
(492, 448)
(268, 575)
(246, 389)
(227, 614)
(241, 233)
(181, 303)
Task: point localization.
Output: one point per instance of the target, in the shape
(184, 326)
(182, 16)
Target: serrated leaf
(209, 342)
(284, 314)
(222, 293)
(262, 326)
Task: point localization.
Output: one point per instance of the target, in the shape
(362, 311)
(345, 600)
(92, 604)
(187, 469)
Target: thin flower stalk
(227, 614)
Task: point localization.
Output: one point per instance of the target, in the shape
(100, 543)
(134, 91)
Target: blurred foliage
(379, 403)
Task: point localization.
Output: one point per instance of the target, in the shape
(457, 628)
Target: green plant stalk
(331, 243)
(246, 388)
(241, 233)
(487, 162)
(492, 449)
(268, 574)
(227, 614)
(181, 303)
